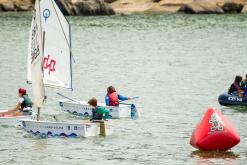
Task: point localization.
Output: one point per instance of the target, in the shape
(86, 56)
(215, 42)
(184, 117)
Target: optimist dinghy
(82, 108)
(49, 63)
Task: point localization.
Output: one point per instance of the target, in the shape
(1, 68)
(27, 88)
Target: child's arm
(17, 107)
(107, 100)
(123, 98)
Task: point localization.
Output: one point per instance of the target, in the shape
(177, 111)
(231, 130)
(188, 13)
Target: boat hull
(15, 120)
(81, 108)
(53, 129)
(228, 99)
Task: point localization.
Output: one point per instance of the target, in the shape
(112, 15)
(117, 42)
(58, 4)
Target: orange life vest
(113, 99)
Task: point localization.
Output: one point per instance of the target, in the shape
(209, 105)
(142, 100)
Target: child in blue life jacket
(112, 97)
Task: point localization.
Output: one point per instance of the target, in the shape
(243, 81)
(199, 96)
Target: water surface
(177, 64)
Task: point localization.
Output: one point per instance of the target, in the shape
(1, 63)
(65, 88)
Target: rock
(156, 1)
(15, 5)
(22, 8)
(231, 7)
(65, 7)
(175, 2)
(85, 7)
(159, 8)
(244, 10)
(109, 1)
(201, 7)
(8, 6)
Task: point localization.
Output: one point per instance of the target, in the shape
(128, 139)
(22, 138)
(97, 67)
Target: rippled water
(177, 64)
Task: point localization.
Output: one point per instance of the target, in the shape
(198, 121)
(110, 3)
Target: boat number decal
(235, 99)
(35, 52)
(216, 124)
(52, 127)
(78, 128)
(49, 64)
(46, 14)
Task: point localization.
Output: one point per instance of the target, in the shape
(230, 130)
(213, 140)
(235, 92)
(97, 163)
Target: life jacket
(26, 103)
(95, 115)
(234, 87)
(113, 99)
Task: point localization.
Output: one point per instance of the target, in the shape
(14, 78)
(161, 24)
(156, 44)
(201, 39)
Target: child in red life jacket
(112, 98)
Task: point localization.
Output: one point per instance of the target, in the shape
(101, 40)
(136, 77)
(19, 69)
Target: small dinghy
(214, 132)
(15, 120)
(82, 108)
(49, 63)
(230, 99)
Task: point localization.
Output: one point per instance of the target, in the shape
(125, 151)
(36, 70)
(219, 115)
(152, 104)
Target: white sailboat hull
(53, 129)
(16, 120)
(82, 108)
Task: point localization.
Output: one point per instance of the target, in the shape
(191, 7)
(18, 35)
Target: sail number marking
(46, 14)
(235, 99)
(49, 64)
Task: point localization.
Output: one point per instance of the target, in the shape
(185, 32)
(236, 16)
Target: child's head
(93, 102)
(111, 89)
(22, 91)
(238, 79)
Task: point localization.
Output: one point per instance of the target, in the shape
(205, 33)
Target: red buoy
(214, 132)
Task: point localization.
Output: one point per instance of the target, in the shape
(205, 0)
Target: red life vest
(113, 99)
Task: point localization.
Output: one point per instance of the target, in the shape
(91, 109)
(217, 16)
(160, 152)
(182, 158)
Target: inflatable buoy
(214, 132)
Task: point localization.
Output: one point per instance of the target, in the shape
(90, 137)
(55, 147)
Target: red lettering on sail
(49, 64)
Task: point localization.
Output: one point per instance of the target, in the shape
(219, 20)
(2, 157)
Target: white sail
(57, 46)
(36, 60)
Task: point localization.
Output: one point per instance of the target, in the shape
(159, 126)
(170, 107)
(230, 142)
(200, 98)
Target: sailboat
(49, 64)
(83, 109)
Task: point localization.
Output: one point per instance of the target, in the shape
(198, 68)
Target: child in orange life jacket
(112, 98)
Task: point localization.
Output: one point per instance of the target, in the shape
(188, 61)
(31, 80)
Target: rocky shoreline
(110, 7)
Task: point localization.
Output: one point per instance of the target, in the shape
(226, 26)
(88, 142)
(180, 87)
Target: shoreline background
(110, 7)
